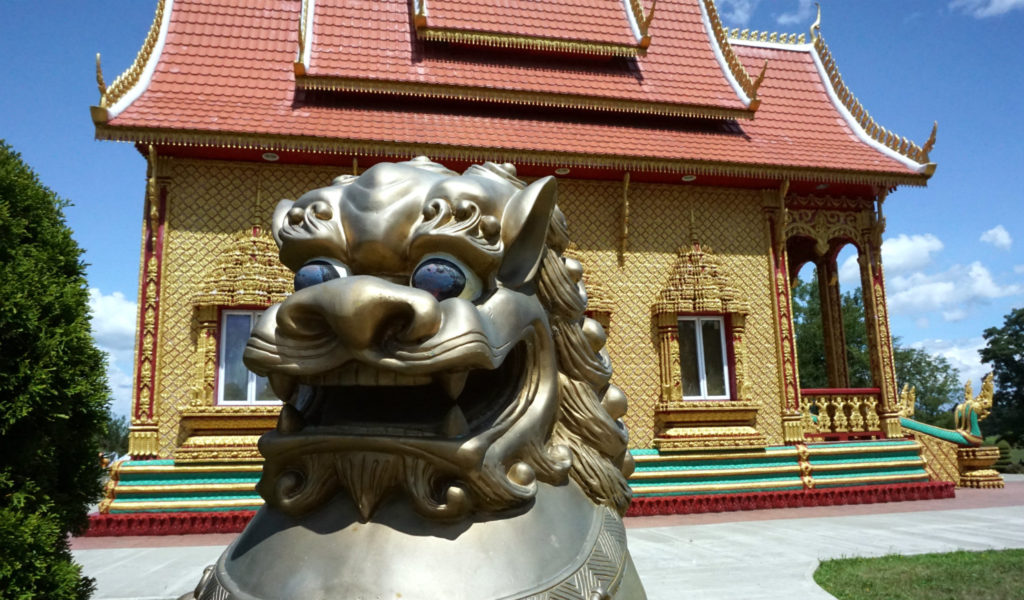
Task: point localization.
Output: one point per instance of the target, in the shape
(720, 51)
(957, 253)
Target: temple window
(700, 319)
(245, 280)
(700, 323)
(703, 358)
(236, 383)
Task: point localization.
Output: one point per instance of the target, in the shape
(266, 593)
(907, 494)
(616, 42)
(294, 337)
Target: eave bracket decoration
(699, 285)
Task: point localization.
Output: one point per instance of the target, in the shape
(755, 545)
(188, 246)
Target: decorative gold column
(776, 223)
(832, 322)
(206, 356)
(876, 316)
(143, 436)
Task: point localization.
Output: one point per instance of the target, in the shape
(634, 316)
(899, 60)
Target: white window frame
(250, 389)
(701, 369)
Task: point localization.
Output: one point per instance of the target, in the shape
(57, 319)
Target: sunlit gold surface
(975, 465)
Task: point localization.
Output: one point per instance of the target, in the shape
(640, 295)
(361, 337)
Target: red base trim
(870, 494)
(182, 523)
(170, 523)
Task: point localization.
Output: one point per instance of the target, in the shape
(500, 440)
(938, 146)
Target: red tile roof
(597, 21)
(374, 41)
(225, 77)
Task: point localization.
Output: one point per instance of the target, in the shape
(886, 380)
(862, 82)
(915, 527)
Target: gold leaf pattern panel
(730, 221)
(209, 202)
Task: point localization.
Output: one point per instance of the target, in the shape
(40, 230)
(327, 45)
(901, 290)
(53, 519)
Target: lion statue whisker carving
(448, 428)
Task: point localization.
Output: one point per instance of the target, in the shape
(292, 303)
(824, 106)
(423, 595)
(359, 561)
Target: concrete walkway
(766, 554)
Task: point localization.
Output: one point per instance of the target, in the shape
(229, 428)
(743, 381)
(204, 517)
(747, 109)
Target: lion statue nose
(319, 209)
(363, 311)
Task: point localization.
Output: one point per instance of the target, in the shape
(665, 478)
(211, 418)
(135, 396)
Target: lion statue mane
(448, 427)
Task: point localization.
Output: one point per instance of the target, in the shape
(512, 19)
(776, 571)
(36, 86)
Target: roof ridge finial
(816, 26)
(100, 83)
(646, 25)
(760, 78)
(927, 148)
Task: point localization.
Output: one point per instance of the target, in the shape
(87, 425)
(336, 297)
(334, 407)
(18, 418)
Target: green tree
(935, 380)
(1004, 351)
(53, 391)
(810, 342)
(115, 437)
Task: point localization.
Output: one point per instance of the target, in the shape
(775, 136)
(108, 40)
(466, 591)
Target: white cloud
(849, 274)
(950, 291)
(957, 314)
(802, 14)
(962, 354)
(900, 254)
(1018, 269)
(113, 329)
(981, 9)
(922, 322)
(909, 252)
(737, 13)
(998, 237)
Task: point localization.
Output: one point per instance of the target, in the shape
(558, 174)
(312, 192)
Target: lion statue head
(436, 346)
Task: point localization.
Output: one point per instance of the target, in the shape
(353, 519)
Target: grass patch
(988, 575)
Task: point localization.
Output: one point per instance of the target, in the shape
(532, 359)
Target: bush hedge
(53, 391)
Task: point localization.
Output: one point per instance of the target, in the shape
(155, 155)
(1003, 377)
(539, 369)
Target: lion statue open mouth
(449, 430)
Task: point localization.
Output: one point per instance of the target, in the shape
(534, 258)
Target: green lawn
(989, 575)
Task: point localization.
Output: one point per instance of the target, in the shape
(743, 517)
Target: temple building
(699, 169)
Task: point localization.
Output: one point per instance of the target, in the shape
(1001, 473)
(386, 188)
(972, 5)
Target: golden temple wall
(730, 222)
(209, 202)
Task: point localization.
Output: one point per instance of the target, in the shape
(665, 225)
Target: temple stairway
(161, 486)
(780, 476)
(157, 496)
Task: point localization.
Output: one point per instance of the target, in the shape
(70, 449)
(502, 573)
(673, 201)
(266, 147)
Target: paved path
(765, 554)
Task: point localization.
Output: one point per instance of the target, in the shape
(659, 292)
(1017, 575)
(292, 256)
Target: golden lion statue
(449, 430)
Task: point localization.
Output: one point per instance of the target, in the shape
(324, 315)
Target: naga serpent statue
(448, 428)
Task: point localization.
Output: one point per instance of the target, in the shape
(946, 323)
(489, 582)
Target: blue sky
(953, 251)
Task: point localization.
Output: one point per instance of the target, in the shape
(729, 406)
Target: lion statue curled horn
(448, 428)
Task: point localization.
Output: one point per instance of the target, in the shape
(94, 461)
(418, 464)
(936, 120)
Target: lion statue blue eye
(315, 272)
(440, 277)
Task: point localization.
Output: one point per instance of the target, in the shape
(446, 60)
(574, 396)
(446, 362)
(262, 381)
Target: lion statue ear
(524, 227)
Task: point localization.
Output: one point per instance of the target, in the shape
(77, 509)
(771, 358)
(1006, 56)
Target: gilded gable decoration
(249, 274)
